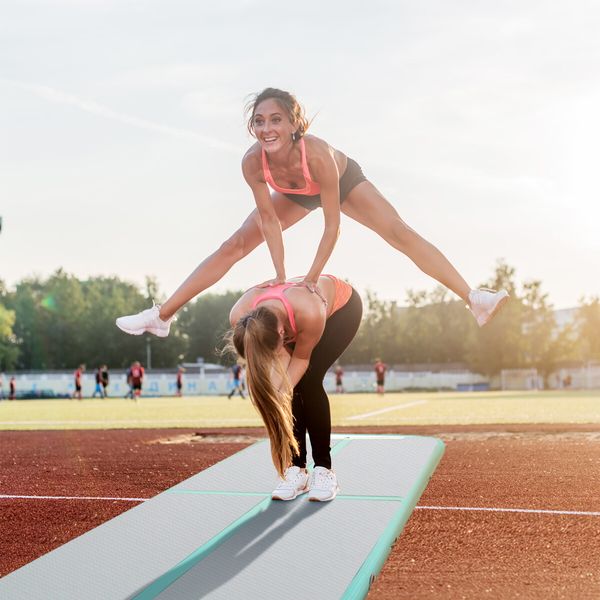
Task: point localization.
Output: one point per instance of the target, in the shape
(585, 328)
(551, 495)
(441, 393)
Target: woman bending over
(289, 338)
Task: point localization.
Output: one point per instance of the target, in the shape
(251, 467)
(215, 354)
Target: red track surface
(441, 554)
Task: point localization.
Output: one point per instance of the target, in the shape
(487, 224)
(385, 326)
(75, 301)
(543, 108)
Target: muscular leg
(367, 205)
(299, 460)
(241, 243)
(310, 404)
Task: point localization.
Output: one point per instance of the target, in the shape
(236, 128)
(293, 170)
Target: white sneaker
(324, 485)
(294, 483)
(484, 304)
(147, 320)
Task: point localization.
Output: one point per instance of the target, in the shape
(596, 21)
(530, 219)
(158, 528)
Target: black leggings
(310, 404)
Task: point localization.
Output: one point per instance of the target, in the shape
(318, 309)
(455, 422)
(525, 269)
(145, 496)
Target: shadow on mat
(239, 551)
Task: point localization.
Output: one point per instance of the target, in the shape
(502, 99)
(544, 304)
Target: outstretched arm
(324, 169)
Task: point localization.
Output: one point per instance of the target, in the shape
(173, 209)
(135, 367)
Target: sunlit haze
(122, 133)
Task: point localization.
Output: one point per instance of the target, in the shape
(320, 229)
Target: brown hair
(287, 101)
(255, 338)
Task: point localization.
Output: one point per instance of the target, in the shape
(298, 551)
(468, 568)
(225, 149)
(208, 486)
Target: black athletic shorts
(352, 176)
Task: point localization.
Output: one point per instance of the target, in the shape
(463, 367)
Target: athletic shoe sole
(298, 493)
(314, 499)
(157, 332)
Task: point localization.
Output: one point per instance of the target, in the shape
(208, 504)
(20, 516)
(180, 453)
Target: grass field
(347, 410)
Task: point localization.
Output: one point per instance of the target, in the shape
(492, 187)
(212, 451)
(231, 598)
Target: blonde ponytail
(256, 339)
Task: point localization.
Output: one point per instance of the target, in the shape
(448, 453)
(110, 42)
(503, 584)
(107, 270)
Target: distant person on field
(237, 373)
(78, 377)
(180, 372)
(12, 388)
(380, 369)
(104, 379)
(129, 393)
(98, 389)
(1, 386)
(339, 379)
(243, 379)
(137, 379)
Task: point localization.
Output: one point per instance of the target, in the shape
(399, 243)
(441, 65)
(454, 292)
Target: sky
(122, 132)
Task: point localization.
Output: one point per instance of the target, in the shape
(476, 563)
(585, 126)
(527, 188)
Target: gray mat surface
(219, 535)
(293, 550)
(126, 553)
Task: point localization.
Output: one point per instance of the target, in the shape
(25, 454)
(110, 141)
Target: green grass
(211, 411)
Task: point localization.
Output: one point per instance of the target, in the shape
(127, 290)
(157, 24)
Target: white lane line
(17, 497)
(388, 409)
(535, 511)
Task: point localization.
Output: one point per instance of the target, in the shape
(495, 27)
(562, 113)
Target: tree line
(60, 321)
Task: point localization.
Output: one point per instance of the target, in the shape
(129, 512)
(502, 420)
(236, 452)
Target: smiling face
(272, 126)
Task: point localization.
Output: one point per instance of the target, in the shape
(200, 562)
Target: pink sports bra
(312, 188)
(276, 293)
(343, 291)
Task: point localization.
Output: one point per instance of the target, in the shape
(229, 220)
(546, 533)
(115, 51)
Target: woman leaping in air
(304, 173)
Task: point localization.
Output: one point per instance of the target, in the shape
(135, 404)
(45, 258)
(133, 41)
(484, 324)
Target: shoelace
(154, 305)
(289, 482)
(323, 479)
(476, 295)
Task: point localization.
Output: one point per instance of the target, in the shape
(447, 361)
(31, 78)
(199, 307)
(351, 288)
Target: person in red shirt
(380, 369)
(137, 378)
(12, 388)
(78, 375)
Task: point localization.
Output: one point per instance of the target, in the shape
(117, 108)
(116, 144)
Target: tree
(369, 341)
(499, 345)
(544, 346)
(8, 348)
(588, 328)
(435, 328)
(62, 322)
(205, 323)
(105, 299)
(428, 330)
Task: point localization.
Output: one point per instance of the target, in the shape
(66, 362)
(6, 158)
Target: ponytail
(256, 339)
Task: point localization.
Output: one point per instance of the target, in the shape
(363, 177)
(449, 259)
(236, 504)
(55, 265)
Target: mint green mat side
(359, 586)
(168, 578)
